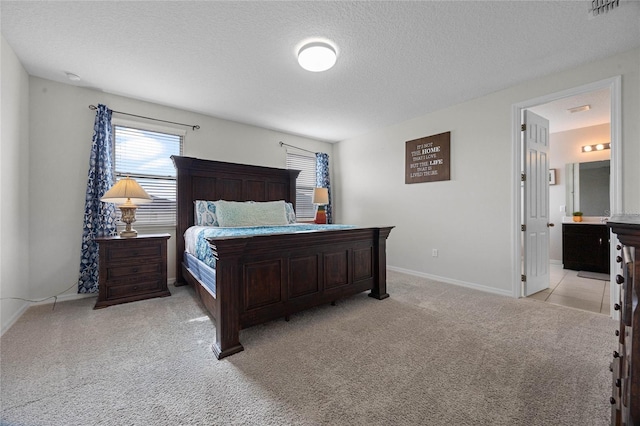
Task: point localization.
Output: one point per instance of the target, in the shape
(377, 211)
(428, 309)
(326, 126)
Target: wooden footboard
(262, 278)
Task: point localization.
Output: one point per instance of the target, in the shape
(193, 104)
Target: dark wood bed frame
(262, 278)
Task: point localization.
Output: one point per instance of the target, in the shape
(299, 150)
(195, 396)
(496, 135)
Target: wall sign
(428, 159)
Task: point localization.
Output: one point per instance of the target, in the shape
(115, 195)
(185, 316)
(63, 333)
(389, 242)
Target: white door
(536, 203)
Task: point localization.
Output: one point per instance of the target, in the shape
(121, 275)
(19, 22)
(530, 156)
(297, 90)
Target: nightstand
(132, 269)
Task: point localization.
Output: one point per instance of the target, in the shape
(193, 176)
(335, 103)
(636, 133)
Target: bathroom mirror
(587, 188)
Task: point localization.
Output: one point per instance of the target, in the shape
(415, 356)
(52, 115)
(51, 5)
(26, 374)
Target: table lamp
(126, 192)
(320, 199)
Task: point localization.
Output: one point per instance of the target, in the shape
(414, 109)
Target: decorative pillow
(233, 213)
(291, 214)
(205, 212)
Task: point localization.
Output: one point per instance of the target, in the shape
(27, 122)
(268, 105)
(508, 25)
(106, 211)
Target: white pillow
(234, 213)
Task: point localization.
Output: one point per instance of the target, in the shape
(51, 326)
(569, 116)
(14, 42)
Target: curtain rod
(193, 127)
(301, 149)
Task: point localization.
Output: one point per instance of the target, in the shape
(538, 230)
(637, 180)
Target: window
(145, 155)
(304, 184)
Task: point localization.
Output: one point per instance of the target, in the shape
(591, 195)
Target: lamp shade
(321, 196)
(126, 190)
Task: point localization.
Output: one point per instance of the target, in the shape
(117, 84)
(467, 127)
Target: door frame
(614, 84)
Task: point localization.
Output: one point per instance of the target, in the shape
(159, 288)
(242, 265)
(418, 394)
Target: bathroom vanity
(585, 246)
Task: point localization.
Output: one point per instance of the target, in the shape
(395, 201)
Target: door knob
(550, 225)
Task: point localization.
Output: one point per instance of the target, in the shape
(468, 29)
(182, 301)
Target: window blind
(304, 184)
(145, 156)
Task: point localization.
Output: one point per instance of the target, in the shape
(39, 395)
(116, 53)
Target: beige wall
(61, 128)
(14, 185)
(469, 218)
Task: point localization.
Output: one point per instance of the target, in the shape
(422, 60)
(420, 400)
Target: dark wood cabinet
(625, 393)
(585, 247)
(132, 269)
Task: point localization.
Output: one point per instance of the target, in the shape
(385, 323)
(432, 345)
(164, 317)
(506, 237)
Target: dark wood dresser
(625, 398)
(132, 269)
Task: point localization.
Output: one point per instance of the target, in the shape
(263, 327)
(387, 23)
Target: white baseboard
(61, 298)
(64, 298)
(446, 280)
(15, 317)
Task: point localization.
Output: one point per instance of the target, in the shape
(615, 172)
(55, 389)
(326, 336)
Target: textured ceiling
(237, 60)
(561, 119)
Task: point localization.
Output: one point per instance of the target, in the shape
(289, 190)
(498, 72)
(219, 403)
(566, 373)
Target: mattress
(202, 272)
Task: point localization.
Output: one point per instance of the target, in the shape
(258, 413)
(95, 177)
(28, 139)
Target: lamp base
(128, 217)
(128, 233)
(321, 216)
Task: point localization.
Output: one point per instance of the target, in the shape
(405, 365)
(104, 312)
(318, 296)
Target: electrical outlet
(434, 252)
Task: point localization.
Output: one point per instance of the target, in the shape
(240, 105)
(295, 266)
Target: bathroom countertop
(587, 220)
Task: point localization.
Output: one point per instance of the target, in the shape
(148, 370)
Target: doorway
(613, 85)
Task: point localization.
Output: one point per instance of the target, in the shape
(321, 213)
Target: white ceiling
(561, 119)
(237, 60)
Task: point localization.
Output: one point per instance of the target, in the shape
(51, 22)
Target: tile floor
(567, 289)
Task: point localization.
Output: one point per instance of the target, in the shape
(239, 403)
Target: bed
(259, 278)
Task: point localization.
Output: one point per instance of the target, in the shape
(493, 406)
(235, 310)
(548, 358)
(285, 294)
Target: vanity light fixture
(596, 147)
(317, 56)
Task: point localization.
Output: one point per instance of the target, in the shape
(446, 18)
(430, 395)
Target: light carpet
(431, 354)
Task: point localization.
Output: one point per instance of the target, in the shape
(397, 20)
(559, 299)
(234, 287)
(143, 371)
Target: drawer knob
(618, 383)
(619, 259)
(619, 279)
(616, 307)
(618, 247)
(617, 332)
(616, 354)
(612, 400)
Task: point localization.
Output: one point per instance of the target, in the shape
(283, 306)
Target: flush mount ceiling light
(71, 76)
(317, 56)
(579, 108)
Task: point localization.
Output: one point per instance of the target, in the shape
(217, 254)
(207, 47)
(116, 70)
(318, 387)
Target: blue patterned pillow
(205, 212)
(291, 214)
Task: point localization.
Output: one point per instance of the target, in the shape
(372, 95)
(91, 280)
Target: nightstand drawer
(114, 292)
(114, 273)
(121, 252)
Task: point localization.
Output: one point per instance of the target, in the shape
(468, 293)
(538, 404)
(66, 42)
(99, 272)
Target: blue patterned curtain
(99, 217)
(322, 179)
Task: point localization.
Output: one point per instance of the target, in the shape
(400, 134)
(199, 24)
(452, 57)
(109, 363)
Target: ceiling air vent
(599, 7)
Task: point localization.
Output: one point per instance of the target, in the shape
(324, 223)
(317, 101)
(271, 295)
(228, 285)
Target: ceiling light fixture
(317, 56)
(579, 108)
(73, 77)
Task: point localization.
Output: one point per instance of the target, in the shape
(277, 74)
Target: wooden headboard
(216, 180)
